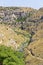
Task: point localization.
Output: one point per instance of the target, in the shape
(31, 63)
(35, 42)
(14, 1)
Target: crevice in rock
(31, 52)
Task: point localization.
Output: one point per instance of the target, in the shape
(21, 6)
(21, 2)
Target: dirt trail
(34, 56)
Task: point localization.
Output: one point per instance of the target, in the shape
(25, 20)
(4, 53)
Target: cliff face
(24, 18)
(12, 13)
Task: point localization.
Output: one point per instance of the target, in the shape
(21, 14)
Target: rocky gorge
(22, 29)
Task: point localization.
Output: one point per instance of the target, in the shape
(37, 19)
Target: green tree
(11, 57)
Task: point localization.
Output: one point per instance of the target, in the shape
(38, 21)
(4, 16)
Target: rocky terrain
(22, 29)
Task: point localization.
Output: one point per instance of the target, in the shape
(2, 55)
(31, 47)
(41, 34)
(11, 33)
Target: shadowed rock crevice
(31, 52)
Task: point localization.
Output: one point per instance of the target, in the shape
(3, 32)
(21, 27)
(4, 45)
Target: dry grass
(11, 38)
(34, 52)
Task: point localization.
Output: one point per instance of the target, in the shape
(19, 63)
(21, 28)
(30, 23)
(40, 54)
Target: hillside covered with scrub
(21, 36)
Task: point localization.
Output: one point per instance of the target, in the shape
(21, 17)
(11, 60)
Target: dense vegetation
(10, 57)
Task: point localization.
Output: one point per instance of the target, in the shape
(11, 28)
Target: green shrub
(21, 19)
(11, 57)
